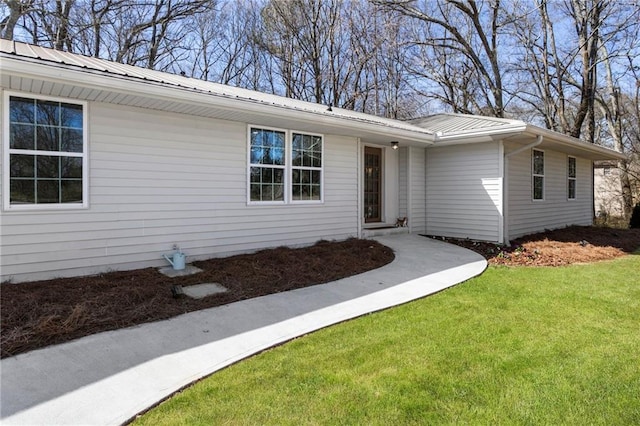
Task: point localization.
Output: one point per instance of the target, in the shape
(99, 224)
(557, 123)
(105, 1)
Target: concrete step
(383, 230)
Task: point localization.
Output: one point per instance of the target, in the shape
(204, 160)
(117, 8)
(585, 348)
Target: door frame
(379, 151)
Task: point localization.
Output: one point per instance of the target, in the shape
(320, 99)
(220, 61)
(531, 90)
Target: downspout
(505, 186)
(360, 173)
(593, 190)
(409, 189)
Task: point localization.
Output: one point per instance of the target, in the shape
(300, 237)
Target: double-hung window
(45, 153)
(284, 166)
(571, 178)
(306, 167)
(267, 165)
(537, 169)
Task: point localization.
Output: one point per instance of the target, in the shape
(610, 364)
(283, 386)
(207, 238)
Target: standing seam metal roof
(23, 50)
(459, 123)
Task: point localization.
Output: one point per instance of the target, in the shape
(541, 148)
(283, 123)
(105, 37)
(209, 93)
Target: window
(538, 175)
(306, 167)
(284, 166)
(267, 165)
(571, 178)
(45, 153)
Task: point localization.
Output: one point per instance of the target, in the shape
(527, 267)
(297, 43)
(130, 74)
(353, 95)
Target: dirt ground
(575, 244)
(38, 314)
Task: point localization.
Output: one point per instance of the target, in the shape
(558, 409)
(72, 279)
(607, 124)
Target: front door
(372, 184)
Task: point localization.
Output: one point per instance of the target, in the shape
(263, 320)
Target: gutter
(505, 186)
(489, 134)
(572, 142)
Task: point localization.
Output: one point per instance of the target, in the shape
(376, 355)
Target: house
(497, 179)
(108, 166)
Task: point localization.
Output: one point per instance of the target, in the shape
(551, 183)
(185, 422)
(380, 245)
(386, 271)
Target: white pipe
(524, 148)
(505, 186)
(360, 172)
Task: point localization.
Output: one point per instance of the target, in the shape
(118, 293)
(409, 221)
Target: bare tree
(587, 16)
(46, 22)
(14, 9)
(298, 33)
(460, 30)
(149, 32)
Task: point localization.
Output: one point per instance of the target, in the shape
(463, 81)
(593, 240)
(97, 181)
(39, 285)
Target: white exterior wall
(526, 216)
(464, 191)
(390, 185)
(417, 189)
(403, 183)
(159, 178)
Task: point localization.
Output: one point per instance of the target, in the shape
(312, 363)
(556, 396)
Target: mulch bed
(575, 244)
(38, 314)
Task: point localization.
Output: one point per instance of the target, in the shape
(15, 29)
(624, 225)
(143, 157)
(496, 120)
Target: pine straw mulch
(38, 314)
(575, 244)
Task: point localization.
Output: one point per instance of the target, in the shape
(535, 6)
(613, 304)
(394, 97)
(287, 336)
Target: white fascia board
(91, 79)
(571, 142)
(484, 135)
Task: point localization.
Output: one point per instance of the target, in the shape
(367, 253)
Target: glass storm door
(372, 184)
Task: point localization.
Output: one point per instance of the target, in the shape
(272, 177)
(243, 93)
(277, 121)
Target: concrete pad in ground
(172, 273)
(198, 291)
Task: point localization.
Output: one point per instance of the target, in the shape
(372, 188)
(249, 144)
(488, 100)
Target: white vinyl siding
(403, 153)
(162, 178)
(418, 191)
(464, 191)
(527, 216)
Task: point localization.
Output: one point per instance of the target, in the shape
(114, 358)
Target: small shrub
(635, 217)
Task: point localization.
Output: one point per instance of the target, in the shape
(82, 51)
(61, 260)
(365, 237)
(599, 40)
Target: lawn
(518, 345)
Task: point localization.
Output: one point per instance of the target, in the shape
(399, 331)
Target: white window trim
(291, 167)
(534, 175)
(250, 164)
(288, 168)
(575, 179)
(6, 151)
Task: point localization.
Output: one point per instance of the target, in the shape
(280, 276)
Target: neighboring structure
(107, 166)
(607, 188)
(607, 192)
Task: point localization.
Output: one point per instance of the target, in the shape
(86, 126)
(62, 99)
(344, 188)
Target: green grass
(522, 346)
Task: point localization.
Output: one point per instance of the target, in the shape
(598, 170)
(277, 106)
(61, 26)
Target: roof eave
(479, 136)
(597, 151)
(90, 78)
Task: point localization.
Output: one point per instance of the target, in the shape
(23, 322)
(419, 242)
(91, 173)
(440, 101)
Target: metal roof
(461, 123)
(27, 51)
(47, 71)
(463, 128)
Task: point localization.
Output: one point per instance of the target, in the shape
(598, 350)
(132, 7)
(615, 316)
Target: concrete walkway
(109, 377)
